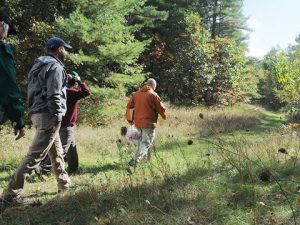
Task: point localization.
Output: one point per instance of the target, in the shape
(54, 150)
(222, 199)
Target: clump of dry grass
(225, 120)
(207, 121)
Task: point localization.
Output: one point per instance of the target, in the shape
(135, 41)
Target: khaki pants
(145, 143)
(70, 152)
(46, 141)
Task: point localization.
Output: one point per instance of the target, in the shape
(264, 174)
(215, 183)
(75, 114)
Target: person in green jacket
(11, 107)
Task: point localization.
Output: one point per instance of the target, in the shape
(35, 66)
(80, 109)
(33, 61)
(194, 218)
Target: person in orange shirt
(146, 105)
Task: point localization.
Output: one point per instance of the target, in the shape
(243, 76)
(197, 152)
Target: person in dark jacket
(11, 107)
(76, 90)
(47, 105)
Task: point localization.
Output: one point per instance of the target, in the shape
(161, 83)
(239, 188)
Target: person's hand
(69, 76)
(19, 132)
(77, 79)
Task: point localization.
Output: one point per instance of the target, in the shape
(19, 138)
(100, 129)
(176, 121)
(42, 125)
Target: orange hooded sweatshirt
(147, 105)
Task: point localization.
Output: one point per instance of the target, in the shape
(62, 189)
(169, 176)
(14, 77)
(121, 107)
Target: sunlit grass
(203, 170)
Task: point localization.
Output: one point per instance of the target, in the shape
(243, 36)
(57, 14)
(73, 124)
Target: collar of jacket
(6, 47)
(146, 88)
(53, 56)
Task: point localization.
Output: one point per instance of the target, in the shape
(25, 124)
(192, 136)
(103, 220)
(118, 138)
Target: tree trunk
(214, 20)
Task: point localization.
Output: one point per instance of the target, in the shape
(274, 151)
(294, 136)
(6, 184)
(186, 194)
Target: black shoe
(132, 163)
(131, 166)
(74, 172)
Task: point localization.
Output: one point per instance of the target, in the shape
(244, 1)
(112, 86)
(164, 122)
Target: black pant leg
(72, 159)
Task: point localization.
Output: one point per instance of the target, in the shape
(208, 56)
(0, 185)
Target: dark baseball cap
(58, 42)
(4, 17)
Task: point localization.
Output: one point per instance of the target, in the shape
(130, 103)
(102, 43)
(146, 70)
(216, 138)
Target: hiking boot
(74, 172)
(132, 163)
(131, 166)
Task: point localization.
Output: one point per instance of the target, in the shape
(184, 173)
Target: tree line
(194, 48)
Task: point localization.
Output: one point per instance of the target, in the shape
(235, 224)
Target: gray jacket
(47, 81)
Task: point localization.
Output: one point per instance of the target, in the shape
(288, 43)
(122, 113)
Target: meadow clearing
(224, 165)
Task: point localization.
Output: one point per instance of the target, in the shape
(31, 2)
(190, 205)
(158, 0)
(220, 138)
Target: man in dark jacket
(47, 105)
(76, 90)
(10, 106)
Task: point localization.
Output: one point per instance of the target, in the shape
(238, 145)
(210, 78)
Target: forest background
(216, 160)
(196, 50)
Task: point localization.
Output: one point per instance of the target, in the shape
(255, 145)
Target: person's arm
(14, 108)
(14, 113)
(55, 80)
(130, 105)
(77, 94)
(159, 106)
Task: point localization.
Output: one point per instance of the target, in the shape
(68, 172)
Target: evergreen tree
(224, 18)
(103, 33)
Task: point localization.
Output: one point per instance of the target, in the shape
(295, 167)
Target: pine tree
(224, 18)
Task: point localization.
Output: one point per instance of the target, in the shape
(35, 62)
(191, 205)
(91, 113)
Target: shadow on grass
(270, 122)
(172, 201)
(155, 203)
(83, 170)
(100, 168)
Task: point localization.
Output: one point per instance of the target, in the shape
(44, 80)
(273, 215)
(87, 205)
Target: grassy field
(209, 166)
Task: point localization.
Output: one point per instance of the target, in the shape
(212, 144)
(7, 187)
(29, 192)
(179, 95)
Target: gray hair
(5, 30)
(151, 82)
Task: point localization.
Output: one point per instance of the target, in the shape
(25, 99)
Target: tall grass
(205, 169)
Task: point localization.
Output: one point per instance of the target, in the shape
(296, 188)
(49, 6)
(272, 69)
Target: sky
(274, 23)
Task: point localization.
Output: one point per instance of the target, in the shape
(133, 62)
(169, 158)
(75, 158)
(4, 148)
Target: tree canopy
(197, 46)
